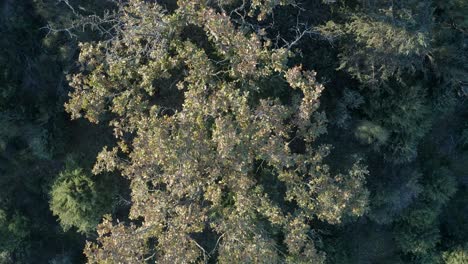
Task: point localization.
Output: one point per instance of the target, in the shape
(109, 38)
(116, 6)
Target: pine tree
(78, 200)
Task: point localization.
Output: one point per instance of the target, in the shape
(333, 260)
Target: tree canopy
(195, 163)
(233, 131)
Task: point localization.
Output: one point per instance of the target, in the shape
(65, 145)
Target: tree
(196, 160)
(403, 116)
(79, 200)
(13, 231)
(417, 231)
(392, 196)
(408, 72)
(382, 39)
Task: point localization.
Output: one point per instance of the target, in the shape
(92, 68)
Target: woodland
(234, 131)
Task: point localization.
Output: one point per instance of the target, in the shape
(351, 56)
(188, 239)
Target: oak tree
(198, 132)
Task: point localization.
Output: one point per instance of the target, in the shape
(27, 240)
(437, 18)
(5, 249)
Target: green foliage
(194, 163)
(14, 230)
(392, 197)
(417, 231)
(351, 100)
(454, 221)
(78, 200)
(402, 111)
(450, 52)
(370, 133)
(393, 51)
(219, 123)
(34, 131)
(381, 45)
(440, 186)
(458, 255)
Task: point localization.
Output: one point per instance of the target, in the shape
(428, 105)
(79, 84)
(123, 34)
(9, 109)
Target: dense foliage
(78, 200)
(234, 131)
